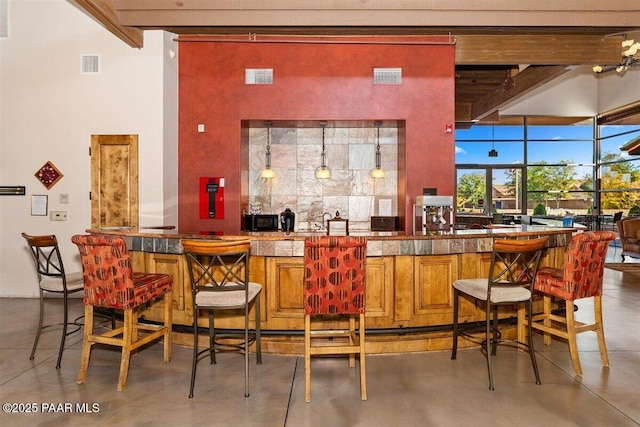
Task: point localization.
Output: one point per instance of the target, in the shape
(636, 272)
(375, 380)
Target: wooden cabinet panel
(432, 286)
(173, 265)
(379, 291)
(285, 276)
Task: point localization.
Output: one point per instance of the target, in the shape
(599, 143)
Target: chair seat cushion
(477, 288)
(550, 281)
(227, 298)
(75, 282)
(147, 287)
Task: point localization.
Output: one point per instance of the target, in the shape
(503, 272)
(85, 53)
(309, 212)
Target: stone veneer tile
(147, 244)
(485, 244)
(441, 247)
(470, 245)
(374, 248)
(298, 248)
(284, 248)
(456, 246)
(391, 247)
(422, 247)
(135, 243)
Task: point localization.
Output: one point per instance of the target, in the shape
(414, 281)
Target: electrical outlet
(58, 215)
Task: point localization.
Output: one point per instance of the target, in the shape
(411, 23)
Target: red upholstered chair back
(107, 272)
(334, 277)
(583, 267)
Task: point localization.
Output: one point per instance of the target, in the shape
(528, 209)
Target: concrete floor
(424, 389)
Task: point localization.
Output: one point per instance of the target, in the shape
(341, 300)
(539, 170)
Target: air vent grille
(387, 76)
(90, 64)
(258, 76)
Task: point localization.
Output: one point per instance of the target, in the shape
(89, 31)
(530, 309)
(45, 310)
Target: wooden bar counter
(409, 293)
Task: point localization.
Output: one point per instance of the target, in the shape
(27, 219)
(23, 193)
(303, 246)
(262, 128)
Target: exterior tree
(471, 188)
(621, 175)
(550, 182)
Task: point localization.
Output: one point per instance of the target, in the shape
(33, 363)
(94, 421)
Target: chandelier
(630, 57)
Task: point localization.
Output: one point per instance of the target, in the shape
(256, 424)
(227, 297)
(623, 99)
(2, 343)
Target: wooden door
(114, 181)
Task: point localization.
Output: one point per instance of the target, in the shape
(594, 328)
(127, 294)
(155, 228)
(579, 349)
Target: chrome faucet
(324, 226)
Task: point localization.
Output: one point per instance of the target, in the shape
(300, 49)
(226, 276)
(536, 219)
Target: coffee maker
(287, 220)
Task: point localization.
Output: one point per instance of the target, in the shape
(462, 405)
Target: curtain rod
(253, 38)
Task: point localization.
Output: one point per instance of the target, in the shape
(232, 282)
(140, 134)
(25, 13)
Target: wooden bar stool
(109, 281)
(334, 284)
(581, 277)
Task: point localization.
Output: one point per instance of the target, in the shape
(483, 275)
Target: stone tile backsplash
(350, 154)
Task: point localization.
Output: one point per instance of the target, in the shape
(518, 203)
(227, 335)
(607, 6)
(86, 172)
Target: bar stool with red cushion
(581, 277)
(109, 281)
(334, 284)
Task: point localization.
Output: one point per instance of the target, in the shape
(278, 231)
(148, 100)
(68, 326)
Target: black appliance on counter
(287, 220)
(261, 222)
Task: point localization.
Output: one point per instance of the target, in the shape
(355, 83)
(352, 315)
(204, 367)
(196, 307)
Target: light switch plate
(58, 215)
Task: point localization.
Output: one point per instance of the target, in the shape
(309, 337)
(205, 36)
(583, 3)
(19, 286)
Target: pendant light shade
(268, 173)
(322, 172)
(378, 172)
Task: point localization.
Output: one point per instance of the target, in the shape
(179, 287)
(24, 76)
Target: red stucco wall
(312, 81)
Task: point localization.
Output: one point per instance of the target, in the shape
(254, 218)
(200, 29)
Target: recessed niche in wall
(296, 153)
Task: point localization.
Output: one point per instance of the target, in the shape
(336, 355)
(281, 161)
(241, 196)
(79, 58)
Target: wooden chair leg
(168, 323)
(547, 321)
(352, 334)
(363, 372)
(307, 358)
(522, 330)
(571, 337)
(127, 337)
(86, 345)
(602, 344)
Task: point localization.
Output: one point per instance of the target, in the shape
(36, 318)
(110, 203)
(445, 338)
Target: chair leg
(532, 351)
(546, 302)
(454, 348)
(494, 339)
(363, 372)
(168, 323)
(352, 332)
(571, 337)
(194, 362)
(128, 330)
(489, 344)
(602, 344)
(35, 342)
(258, 331)
(246, 349)
(86, 344)
(212, 337)
(307, 358)
(65, 304)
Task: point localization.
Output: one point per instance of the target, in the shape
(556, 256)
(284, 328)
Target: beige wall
(48, 111)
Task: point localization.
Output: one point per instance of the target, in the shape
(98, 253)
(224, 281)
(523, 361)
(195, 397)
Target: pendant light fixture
(493, 152)
(378, 172)
(322, 172)
(268, 173)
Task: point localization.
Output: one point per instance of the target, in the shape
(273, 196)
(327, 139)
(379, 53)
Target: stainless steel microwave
(261, 222)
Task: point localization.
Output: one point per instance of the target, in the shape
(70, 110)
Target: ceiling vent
(4, 19)
(258, 76)
(90, 64)
(387, 76)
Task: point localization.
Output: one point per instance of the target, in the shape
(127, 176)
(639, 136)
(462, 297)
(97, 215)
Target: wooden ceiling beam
(537, 49)
(587, 13)
(515, 87)
(103, 11)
